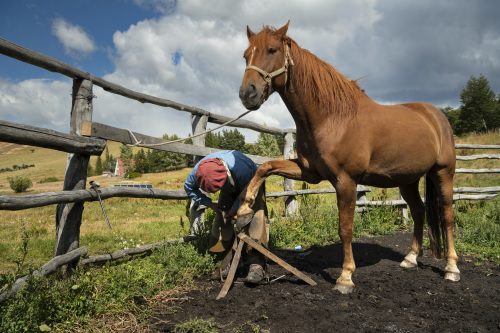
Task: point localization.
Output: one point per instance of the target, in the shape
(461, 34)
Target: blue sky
(29, 23)
(190, 51)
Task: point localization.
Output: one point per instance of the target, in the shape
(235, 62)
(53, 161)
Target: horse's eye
(271, 50)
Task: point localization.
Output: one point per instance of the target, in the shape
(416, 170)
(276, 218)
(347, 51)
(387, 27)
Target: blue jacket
(241, 167)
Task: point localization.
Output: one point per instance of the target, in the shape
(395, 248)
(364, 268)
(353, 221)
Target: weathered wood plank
(359, 189)
(120, 254)
(475, 146)
(232, 272)
(462, 170)
(69, 216)
(121, 135)
(276, 259)
(46, 138)
(50, 267)
(291, 204)
(478, 157)
(198, 126)
(488, 189)
(49, 198)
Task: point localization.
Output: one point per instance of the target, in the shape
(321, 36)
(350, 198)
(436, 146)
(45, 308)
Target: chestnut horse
(345, 137)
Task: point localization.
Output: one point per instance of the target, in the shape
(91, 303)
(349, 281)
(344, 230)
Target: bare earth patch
(387, 298)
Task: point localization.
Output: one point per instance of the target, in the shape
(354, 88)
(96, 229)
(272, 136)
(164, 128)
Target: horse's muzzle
(251, 98)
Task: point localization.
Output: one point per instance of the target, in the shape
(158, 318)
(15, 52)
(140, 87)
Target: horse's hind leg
(444, 180)
(412, 197)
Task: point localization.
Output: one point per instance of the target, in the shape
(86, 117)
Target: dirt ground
(387, 298)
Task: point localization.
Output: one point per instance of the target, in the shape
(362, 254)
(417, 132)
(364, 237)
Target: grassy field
(102, 299)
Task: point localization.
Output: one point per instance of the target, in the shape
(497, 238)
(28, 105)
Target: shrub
(132, 175)
(20, 183)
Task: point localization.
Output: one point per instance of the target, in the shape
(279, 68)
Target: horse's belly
(388, 180)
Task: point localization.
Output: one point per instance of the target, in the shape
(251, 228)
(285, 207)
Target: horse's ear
(281, 32)
(250, 33)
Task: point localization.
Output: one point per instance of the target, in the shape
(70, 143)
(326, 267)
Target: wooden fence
(88, 138)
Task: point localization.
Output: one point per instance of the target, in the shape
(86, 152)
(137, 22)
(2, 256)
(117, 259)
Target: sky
(190, 51)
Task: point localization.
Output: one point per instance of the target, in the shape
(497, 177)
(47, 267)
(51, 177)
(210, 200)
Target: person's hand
(229, 215)
(215, 207)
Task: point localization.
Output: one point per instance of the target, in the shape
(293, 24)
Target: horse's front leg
(346, 202)
(286, 168)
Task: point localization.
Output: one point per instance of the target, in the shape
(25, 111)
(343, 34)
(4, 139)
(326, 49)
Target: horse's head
(267, 58)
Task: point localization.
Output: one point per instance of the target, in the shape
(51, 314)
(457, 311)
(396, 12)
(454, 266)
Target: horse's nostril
(247, 92)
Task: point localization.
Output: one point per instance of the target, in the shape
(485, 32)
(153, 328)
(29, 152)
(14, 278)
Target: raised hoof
(452, 276)
(243, 220)
(344, 288)
(407, 264)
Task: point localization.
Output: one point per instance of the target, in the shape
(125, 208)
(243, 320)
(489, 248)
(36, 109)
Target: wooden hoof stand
(243, 238)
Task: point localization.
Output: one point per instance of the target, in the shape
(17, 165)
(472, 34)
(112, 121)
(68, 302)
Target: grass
(63, 304)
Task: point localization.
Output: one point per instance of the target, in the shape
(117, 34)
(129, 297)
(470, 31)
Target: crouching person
(228, 172)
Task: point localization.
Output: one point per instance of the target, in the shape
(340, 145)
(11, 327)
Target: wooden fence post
(404, 213)
(198, 125)
(69, 216)
(291, 205)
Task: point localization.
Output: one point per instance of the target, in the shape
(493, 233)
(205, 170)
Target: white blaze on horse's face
(267, 60)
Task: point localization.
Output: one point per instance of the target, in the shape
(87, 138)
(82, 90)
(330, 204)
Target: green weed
(197, 325)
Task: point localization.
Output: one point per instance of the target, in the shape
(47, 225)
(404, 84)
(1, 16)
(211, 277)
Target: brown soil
(387, 298)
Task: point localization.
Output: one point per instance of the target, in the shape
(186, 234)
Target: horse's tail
(435, 218)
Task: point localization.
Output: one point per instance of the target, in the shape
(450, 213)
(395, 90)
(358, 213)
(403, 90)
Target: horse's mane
(321, 84)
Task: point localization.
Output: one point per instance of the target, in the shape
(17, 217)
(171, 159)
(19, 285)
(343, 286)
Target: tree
(477, 111)
(232, 140)
(109, 161)
(453, 116)
(140, 162)
(98, 166)
(267, 145)
(212, 140)
(126, 156)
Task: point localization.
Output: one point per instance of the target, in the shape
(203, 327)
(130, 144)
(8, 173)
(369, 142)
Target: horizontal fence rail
(42, 137)
(20, 202)
(124, 136)
(475, 146)
(462, 170)
(478, 157)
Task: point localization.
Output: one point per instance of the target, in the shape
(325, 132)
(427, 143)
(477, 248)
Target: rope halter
(268, 77)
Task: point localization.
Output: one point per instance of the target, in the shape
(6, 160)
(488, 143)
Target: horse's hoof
(344, 287)
(408, 264)
(452, 276)
(410, 261)
(243, 220)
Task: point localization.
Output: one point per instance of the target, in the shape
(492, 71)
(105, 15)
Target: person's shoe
(256, 274)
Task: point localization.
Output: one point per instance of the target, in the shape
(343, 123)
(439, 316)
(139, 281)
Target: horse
(345, 137)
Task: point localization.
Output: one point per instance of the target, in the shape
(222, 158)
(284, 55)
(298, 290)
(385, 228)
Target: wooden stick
(276, 259)
(50, 267)
(232, 272)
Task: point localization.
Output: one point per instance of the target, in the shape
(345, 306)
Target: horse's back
(405, 141)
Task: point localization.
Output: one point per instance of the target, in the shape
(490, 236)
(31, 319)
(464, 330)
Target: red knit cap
(211, 175)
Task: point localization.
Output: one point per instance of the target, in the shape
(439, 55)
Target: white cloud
(75, 40)
(42, 103)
